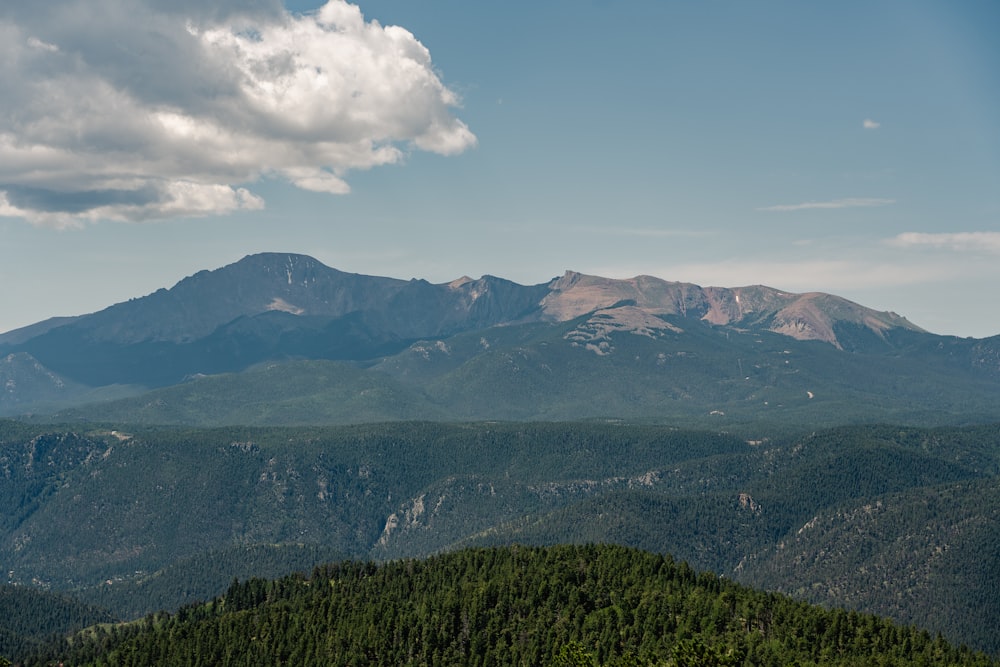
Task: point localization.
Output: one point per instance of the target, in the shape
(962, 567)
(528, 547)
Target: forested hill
(29, 618)
(567, 605)
(902, 522)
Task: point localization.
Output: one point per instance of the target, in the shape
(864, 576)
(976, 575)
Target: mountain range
(275, 413)
(576, 346)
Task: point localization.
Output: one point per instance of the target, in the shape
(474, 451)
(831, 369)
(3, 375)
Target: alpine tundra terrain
(283, 339)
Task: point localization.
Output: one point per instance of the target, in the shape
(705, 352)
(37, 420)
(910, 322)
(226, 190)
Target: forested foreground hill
(566, 605)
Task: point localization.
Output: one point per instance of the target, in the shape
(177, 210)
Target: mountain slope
(887, 553)
(287, 394)
(29, 618)
(264, 307)
(614, 363)
(24, 382)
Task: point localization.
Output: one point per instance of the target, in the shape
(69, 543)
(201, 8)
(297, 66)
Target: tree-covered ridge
(508, 606)
(126, 501)
(29, 618)
(898, 521)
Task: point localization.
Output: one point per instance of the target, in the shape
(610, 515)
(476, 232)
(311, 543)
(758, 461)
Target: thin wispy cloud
(870, 124)
(101, 120)
(858, 202)
(806, 275)
(955, 241)
(650, 232)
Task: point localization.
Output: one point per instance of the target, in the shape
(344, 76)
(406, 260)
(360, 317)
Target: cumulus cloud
(836, 203)
(147, 109)
(870, 124)
(957, 241)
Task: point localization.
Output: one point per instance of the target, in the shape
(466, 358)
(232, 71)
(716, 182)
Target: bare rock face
(812, 316)
(576, 294)
(747, 502)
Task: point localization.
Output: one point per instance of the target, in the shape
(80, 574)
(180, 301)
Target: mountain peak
(276, 305)
(810, 316)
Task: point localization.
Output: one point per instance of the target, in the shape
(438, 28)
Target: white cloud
(36, 43)
(870, 124)
(957, 241)
(835, 204)
(143, 109)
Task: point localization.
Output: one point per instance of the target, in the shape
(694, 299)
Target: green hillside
(110, 504)
(584, 605)
(291, 393)
(30, 618)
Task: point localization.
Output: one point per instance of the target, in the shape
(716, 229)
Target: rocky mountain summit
(813, 316)
(302, 286)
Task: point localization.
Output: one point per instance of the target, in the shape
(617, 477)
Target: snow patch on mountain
(284, 306)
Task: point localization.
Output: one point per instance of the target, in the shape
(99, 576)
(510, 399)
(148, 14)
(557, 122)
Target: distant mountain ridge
(812, 316)
(300, 285)
(278, 307)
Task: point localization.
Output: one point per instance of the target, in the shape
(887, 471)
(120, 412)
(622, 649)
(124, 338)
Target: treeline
(569, 605)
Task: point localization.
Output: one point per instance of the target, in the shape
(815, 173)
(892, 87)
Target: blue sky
(851, 147)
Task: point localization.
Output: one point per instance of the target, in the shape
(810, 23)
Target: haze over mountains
(577, 346)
